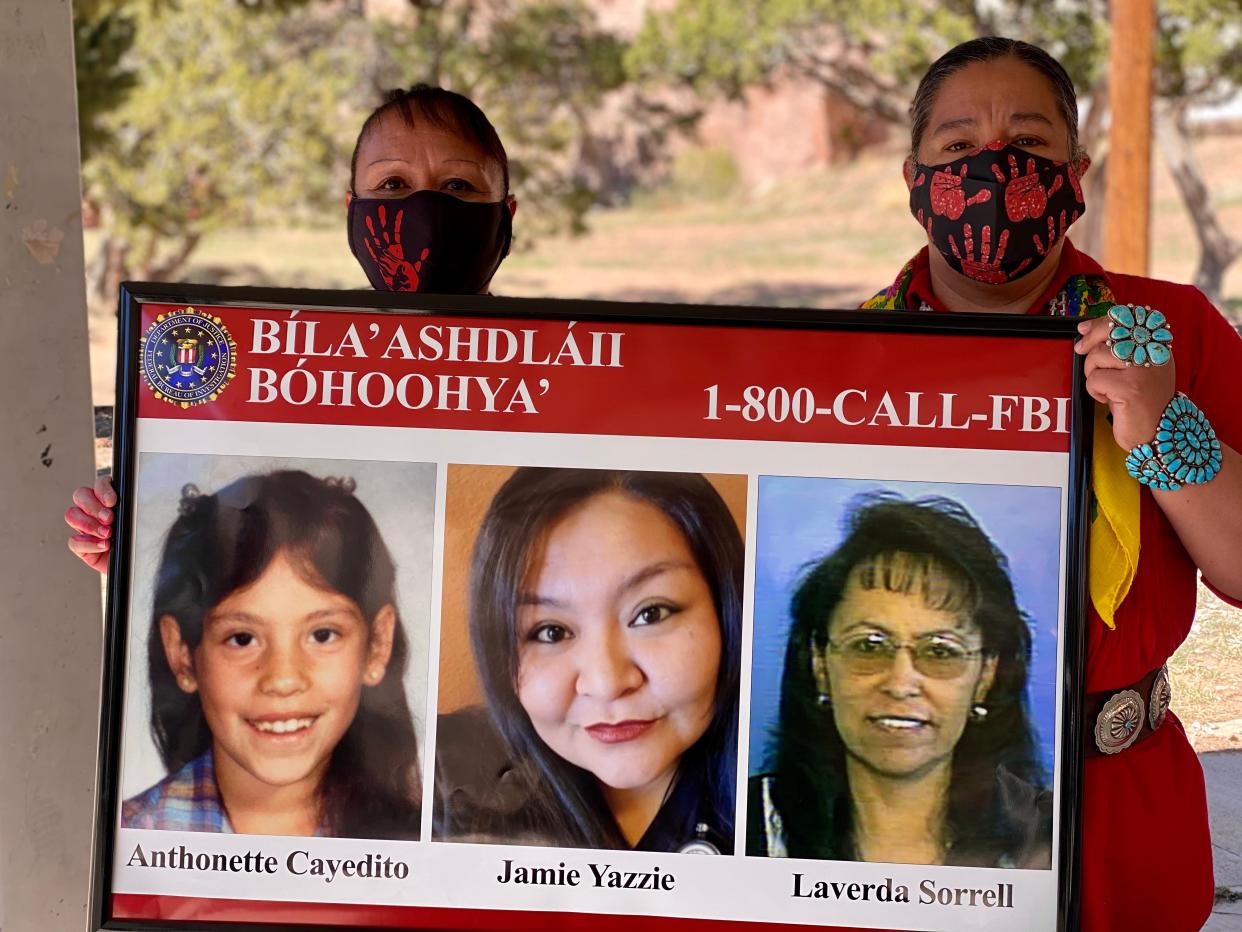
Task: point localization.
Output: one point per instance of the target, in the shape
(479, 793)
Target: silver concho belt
(1131, 714)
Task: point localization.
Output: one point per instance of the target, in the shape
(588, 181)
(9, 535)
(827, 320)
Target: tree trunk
(1093, 137)
(170, 267)
(1217, 249)
(109, 268)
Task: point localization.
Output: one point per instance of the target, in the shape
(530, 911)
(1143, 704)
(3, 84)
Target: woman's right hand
(91, 515)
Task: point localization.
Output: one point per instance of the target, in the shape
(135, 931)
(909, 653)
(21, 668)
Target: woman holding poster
(428, 210)
(605, 621)
(994, 179)
(276, 660)
(903, 733)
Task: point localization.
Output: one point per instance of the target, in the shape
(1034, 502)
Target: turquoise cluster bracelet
(1184, 452)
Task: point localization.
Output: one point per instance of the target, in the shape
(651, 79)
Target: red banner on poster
(622, 379)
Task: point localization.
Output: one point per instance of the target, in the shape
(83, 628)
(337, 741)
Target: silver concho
(1158, 704)
(1119, 722)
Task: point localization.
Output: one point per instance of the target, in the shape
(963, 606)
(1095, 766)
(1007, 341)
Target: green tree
(233, 114)
(871, 52)
(1199, 60)
(538, 68)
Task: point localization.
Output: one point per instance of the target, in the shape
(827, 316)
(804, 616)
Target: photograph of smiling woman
(228, 543)
(957, 743)
(565, 804)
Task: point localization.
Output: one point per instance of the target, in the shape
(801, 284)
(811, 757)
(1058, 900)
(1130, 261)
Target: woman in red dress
(994, 174)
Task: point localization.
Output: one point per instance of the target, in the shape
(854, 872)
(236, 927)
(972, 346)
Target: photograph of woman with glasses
(903, 733)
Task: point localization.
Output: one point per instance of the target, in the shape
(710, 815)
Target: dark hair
(223, 542)
(445, 110)
(952, 564)
(570, 808)
(986, 49)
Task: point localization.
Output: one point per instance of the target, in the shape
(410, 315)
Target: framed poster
(481, 613)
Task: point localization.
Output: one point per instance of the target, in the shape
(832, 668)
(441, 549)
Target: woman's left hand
(1136, 395)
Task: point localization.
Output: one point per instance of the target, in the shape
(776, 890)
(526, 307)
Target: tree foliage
(538, 69)
(213, 113)
(872, 52)
(233, 115)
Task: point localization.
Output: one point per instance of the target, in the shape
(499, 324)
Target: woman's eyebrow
(539, 601)
(467, 161)
(636, 579)
(1032, 117)
(956, 123)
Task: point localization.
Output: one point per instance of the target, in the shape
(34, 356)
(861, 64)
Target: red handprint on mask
(1025, 195)
(947, 197)
(1053, 233)
(987, 268)
(399, 273)
(1075, 183)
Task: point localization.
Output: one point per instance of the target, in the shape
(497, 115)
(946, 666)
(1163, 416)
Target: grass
(1206, 676)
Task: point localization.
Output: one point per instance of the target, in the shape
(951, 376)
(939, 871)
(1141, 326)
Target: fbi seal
(188, 358)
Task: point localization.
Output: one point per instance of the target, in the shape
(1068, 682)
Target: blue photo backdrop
(800, 520)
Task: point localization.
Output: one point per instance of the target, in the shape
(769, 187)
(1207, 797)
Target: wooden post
(1127, 198)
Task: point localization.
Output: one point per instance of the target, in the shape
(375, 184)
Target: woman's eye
(240, 639)
(1027, 142)
(943, 650)
(325, 635)
(958, 146)
(549, 634)
(870, 644)
(391, 184)
(457, 186)
(652, 615)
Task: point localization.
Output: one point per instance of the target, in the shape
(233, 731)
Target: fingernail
(1084, 326)
(105, 515)
(105, 532)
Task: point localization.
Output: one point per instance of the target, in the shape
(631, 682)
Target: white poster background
(447, 874)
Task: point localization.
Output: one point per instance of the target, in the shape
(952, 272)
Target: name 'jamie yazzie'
(600, 875)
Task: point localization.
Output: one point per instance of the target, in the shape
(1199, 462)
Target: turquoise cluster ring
(1140, 335)
(1185, 451)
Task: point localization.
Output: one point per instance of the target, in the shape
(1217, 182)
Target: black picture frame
(134, 295)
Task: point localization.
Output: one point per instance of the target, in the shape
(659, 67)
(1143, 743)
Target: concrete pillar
(49, 622)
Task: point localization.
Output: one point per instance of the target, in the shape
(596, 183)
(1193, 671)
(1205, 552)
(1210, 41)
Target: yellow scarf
(1113, 540)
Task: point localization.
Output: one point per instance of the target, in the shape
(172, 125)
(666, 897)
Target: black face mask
(996, 212)
(429, 241)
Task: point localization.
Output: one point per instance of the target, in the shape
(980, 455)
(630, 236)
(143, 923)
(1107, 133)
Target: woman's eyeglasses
(938, 657)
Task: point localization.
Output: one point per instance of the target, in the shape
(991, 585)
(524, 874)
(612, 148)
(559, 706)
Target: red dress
(1146, 854)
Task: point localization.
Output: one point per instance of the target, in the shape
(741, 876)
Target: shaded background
(800, 521)
(401, 500)
(470, 492)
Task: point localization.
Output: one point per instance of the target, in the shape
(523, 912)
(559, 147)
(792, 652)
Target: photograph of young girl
(904, 675)
(277, 662)
(589, 655)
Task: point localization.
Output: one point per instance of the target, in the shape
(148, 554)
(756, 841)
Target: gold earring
(373, 676)
(186, 683)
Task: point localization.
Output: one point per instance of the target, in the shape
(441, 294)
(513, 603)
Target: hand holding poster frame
(478, 613)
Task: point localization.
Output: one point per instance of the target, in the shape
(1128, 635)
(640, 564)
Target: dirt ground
(1206, 676)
